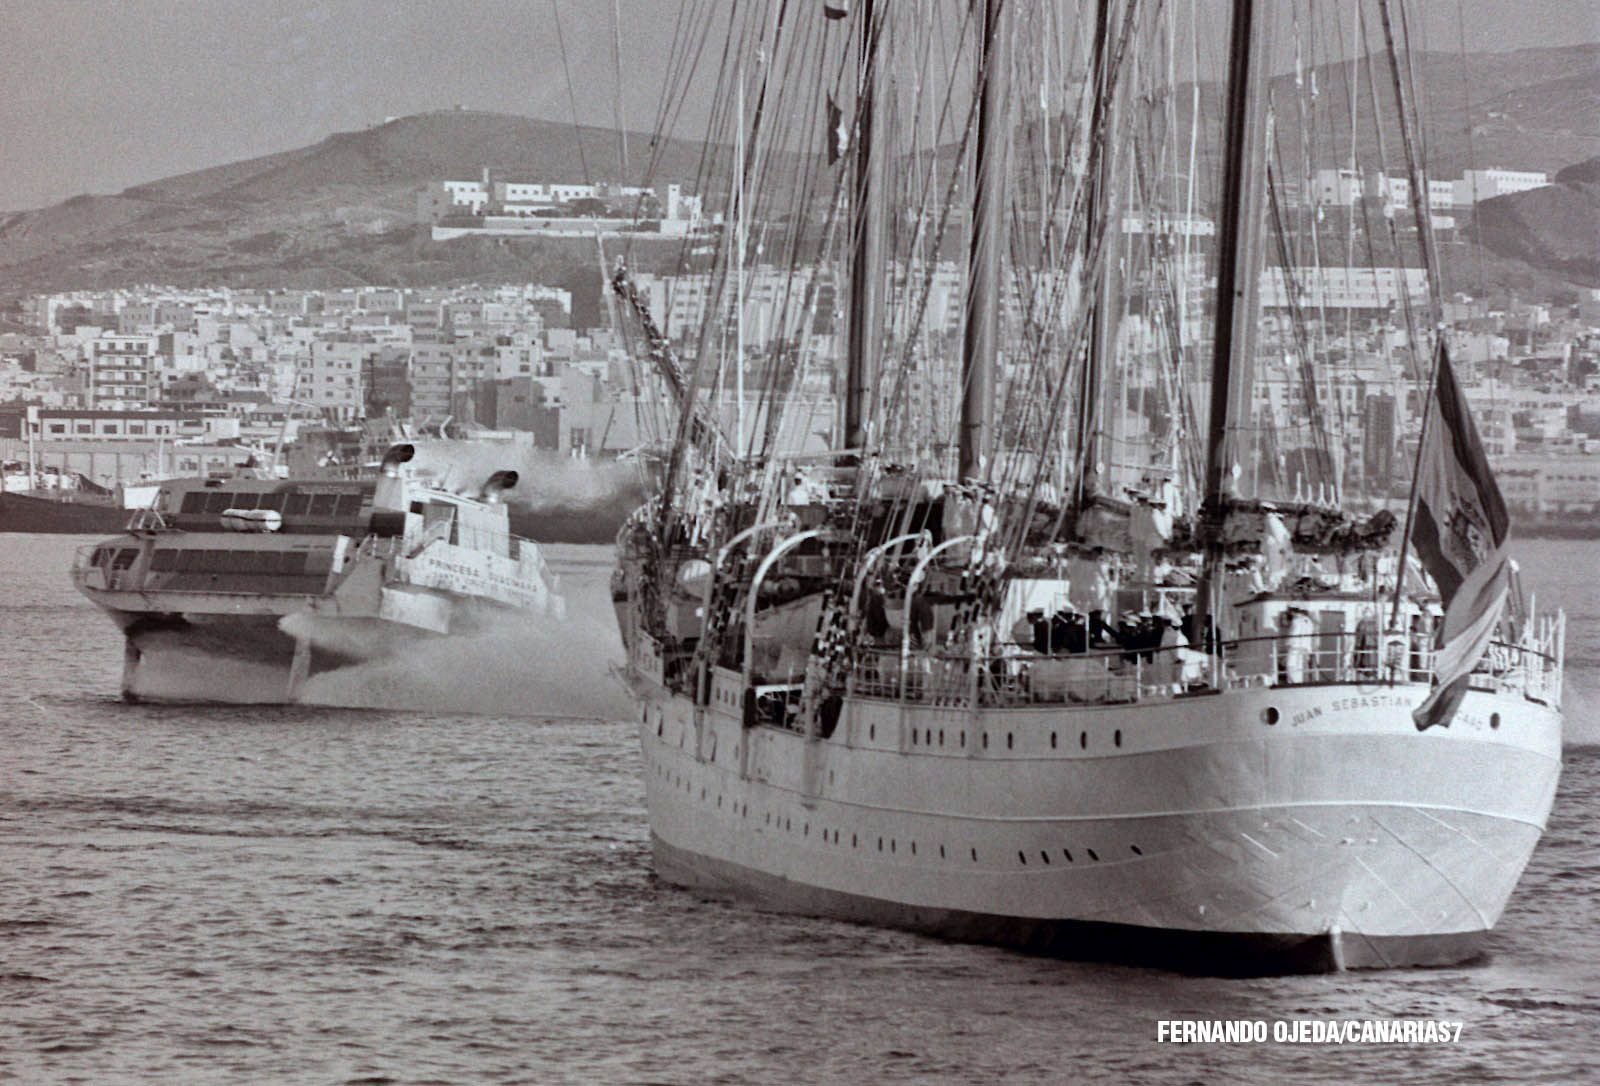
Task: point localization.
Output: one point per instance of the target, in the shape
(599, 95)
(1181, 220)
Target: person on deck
(1296, 654)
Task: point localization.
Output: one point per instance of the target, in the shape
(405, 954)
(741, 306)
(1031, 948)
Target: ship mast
(867, 263)
(1240, 231)
(980, 353)
(1100, 211)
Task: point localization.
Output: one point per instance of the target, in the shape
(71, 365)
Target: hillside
(1555, 228)
(336, 213)
(340, 212)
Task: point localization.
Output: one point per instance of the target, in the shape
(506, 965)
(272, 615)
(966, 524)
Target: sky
(98, 95)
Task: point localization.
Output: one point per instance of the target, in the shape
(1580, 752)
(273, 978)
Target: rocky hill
(337, 213)
(1555, 228)
(341, 212)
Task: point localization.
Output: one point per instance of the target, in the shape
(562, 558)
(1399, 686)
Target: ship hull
(1190, 834)
(247, 660)
(81, 516)
(267, 657)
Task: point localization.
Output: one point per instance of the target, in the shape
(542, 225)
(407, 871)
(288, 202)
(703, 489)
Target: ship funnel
(397, 455)
(498, 483)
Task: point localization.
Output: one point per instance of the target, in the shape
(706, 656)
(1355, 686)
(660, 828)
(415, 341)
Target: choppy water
(203, 894)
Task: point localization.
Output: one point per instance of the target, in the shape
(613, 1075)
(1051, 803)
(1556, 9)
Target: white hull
(1190, 831)
(202, 655)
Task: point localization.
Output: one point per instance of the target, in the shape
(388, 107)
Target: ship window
(1092, 856)
(188, 560)
(295, 505)
(349, 505)
(218, 500)
(164, 561)
(293, 562)
(272, 501)
(1116, 737)
(213, 561)
(125, 558)
(245, 500)
(322, 505)
(194, 502)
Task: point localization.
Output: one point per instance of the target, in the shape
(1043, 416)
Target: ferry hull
(267, 657)
(1191, 835)
(238, 659)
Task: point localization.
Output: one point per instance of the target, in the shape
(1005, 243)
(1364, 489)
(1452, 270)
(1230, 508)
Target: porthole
(913, 848)
(941, 852)
(852, 840)
(1137, 851)
(1052, 740)
(985, 740)
(1008, 740)
(913, 737)
(1045, 856)
(1494, 720)
(963, 739)
(1083, 740)
(1270, 714)
(941, 737)
(1092, 856)
(974, 855)
(807, 832)
(872, 731)
(891, 845)
(1023, 856)
(880, 844)
(1067, 854)
(1116, 737)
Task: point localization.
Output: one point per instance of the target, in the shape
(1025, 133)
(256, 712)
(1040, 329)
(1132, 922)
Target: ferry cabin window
(322, 505)
(272, 501)
(349, 505)
(295, 505)
(246, 500)
(218, 500)
(125, 558)
(194, 502)
(292, 562)
(388, 523)
(164, 561)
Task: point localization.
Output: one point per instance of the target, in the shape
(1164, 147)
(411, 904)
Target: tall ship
(1102, 661)
(243, 588)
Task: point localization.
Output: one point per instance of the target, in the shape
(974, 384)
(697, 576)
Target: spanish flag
(1460, 534)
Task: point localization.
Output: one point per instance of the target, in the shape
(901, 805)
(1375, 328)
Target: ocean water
(419, 894)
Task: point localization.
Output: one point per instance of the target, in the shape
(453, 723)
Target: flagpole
(1416, 474)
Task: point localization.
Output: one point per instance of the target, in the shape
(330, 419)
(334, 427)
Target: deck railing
(1016, 675)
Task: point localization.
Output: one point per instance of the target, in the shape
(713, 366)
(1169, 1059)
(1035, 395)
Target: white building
(1476, 185)
(122, 372)
(1374, 289)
